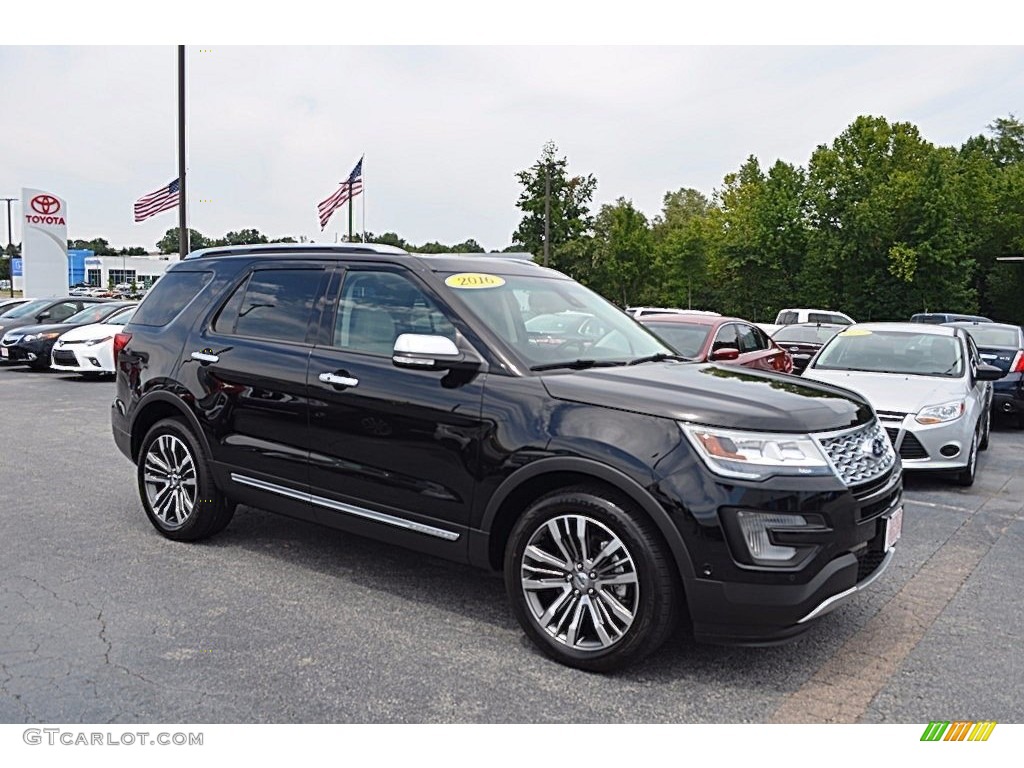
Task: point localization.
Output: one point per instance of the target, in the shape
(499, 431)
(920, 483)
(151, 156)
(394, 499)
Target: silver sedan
(927, 384)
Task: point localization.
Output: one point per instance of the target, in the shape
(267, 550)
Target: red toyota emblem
(45, 204)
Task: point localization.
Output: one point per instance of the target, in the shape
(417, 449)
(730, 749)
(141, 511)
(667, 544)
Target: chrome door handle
(338, 381)
(205, 357)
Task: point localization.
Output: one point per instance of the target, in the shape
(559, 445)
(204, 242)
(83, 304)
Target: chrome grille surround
(850, 452)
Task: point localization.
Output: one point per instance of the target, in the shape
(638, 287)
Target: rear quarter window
(169, 296)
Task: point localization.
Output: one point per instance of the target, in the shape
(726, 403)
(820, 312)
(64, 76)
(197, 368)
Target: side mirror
(430, 353)
(988, 372)
(724, 354)
(43, 315)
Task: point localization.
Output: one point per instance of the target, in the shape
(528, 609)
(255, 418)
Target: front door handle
(205, 357)
(338, 379)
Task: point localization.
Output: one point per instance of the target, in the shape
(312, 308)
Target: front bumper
(930, 446)
(77, 358)
(736, 603)
(27, 352)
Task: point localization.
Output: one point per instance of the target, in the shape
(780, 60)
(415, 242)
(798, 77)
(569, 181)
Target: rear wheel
(176, 485)
(590, 580)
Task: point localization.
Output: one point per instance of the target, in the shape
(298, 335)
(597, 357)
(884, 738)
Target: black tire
(210, 510)
(654, 598)
(965, 477)
(987, 431)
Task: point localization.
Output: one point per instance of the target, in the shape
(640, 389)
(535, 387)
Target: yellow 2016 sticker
(473, 280)
(855, 332)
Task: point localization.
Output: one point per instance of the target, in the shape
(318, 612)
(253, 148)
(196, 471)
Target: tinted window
(749, 339)
(786, 318)
(725, 338)
(685, 338)
(123, 317)
(228, 315)
(168, 297)
(29, 307)
(61, 312)
(92, 313)
(377, 307)
(277, 304)
(838, 320)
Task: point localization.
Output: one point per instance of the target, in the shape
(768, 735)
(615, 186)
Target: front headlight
(94, 342)
(937, 414)
(30, 337)
(40, 336)
(756, 455)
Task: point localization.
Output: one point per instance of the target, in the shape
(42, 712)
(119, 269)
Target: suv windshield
(509, 303)
(914, 354)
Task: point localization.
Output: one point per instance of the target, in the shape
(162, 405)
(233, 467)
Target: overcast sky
(273, 130)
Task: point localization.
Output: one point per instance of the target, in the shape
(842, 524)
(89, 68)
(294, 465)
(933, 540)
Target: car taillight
(120, 342)
(1018, 362)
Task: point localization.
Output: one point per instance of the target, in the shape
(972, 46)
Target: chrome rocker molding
(834, 601)
(338, 506)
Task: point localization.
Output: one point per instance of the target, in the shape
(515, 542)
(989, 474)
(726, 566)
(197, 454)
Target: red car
(710, 338)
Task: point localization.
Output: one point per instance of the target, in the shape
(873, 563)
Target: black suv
(403, 397)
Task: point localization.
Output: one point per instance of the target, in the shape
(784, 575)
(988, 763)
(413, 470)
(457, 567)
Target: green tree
(241, 237)
(570, 200)
(169, 242)
(624, 255)
(132, 251)
(681, 240)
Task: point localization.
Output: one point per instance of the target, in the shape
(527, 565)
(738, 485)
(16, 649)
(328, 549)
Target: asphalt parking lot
(103, 620)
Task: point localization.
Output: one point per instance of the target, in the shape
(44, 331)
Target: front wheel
(590, 580)
(983, 445)
(965, 477)
(176, 485)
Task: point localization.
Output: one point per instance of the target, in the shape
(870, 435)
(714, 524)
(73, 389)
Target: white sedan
(89, 350)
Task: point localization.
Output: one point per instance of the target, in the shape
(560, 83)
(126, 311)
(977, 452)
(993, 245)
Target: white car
(794, 316)
(638, 312)
(927, 384)
(89, 350)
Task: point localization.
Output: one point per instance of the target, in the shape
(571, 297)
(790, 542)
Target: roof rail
(240, 250)
(516, 255)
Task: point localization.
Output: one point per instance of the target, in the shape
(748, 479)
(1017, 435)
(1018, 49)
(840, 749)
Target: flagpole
(183, 238)
(363, 175)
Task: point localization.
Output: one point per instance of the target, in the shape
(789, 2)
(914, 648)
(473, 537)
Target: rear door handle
(205, 357)
(338, 379)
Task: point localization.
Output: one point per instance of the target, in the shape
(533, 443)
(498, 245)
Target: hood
(894, 391)
(721, 396)
(92, 331)
(48, 328)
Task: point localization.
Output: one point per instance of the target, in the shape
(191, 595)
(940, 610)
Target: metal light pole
(547, 211)
(183, 243)
(10, 243)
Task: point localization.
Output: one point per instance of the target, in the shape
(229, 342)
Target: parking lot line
(937, 506)
(844, 686)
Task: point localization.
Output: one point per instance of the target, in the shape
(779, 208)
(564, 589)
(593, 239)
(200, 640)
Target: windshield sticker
(473, 280)
(856, 332)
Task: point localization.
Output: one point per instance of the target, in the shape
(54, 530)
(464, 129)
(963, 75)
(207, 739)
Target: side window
(838, 320)
(170, 296)
(276, 304)
(725, 338)
(378, 306)
(787, 318)
(62, 312)
(819, 317)
(228, 315)
(752, 339)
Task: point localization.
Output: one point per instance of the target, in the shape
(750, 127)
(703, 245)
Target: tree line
(880, 224)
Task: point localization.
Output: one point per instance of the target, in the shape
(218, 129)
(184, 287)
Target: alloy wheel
(170, 480)
(580, 583)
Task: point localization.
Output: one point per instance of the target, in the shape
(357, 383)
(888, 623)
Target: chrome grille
(852, 455)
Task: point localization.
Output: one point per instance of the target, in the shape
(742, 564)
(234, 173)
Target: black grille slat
(65, 358)
(868, 561)
(911, 448)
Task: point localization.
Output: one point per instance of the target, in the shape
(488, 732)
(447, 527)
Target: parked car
(706, 338)
(1002, 345)
(928, 384)
(89, 349)
(638, 312)
(941, 318)
(9, 304)
(800, 316)
(33, 344)
(400, 397)
(803, 340)
(35, 312)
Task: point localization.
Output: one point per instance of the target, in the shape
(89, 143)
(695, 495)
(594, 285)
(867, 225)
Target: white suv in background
(794, 316)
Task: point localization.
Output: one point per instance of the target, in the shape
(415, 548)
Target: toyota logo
(45, 204)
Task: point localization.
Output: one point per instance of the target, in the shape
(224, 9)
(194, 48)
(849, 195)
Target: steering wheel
(573, 346)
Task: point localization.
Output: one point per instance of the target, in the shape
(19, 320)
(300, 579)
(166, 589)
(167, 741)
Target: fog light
(949, 450)
(93, 361)
(755, 525)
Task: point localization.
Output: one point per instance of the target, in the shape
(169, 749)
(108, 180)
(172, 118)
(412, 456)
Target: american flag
(163, 199)
(353, 185)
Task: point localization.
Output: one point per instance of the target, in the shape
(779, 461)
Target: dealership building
(103, 271)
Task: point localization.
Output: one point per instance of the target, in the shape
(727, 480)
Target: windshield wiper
(658, 357)
(577, 365)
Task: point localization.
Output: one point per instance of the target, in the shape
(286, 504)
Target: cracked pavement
(102, 620)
